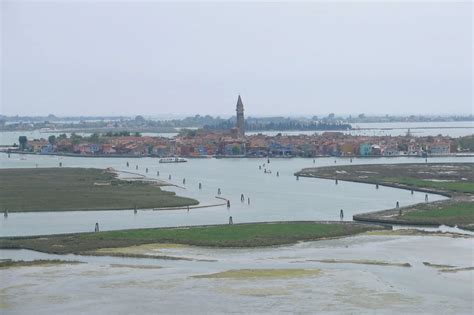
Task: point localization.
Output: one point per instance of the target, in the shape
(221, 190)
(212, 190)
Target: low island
(71, 189)
(118, 243)
(454, 180)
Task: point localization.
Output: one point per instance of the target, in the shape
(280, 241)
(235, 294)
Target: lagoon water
(130, 285)
(115, 285)
(272, 198)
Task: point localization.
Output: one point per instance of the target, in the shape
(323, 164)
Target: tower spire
(240, 117)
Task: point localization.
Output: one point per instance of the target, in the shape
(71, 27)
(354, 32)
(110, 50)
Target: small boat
(172, 160)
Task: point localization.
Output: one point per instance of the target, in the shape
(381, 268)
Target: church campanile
(240, 117)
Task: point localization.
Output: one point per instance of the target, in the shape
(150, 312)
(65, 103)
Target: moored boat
(172, 160)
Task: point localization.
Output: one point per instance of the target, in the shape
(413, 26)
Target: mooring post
(5, 213)
(219, 191)
(376, 186)
(169, 177)
(397, 205)
(184, 181)
(426, 197)
(248, 200)
(278, 174)
(336, 181)
(146, 170)
(128, 164)
(297, 177)
(96, 229)
(412, 191)
(60, 164)
(228, 204)
(230, 220)
(314, 161)
(200, 186)
(188, 208)
(259, 167)
(268, 161)
(8, 155)
(351, 160)
(135, 210)
(157, 173)
(136, 167)
(341, 214)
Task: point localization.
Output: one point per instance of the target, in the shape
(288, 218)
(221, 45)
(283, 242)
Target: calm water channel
(272, 198)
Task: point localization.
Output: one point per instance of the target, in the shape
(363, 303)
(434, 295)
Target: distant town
(227, 138)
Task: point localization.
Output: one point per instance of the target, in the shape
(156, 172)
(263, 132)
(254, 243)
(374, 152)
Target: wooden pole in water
(242, 198)
(146, 170)
(397, 205)
(228, 204)
(336, 181)
(248, 200)
(426, 197)
(96, 229)
(60, 164)
(157, 173)
(184, 181)
(128, 164)
(230, 220)
(200, 185)
(341, 214)
(5, 214)
(169, 177)
(218, 191)
(136, 167)
(376, 186)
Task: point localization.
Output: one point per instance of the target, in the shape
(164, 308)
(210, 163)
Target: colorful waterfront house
(376, 150)
(391, 151)
(349, 148)
(94, 148)
(47, 149)
(277, 149)
(202, 150)
(440, 148)
(365, 149)
(107, 148)
(82, 148)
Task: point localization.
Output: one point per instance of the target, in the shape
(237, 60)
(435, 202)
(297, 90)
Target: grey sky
(152, 58)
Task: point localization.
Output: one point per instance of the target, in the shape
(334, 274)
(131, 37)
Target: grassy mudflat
(66, 189)
(452, 179)
(35, 263)
(249, 274)
(238, 235)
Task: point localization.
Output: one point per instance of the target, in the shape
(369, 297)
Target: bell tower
(240, 117)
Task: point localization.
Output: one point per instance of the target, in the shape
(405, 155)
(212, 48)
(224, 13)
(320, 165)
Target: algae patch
(36, 263)
(135, 266)
(246, 274)
(458, 269)
(355, 261)
(428, 264)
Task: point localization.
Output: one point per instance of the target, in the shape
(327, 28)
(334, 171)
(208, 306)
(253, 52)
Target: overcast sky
(154, 58)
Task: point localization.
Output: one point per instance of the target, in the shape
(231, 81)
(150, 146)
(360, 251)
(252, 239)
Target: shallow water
(272, 198)
(100, 287)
